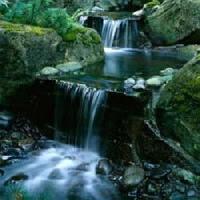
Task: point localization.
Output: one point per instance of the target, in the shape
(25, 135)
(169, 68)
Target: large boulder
(178, 109)
(25, 50)
(84, 45)
(175, 21)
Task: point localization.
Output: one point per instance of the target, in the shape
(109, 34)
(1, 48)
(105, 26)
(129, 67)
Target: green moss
(82, 34)
(152, 4)
(21, 28)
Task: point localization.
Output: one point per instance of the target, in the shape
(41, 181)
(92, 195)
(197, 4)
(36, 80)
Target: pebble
(16, 178)
(159, 173)
(104, 167)
(133, 175)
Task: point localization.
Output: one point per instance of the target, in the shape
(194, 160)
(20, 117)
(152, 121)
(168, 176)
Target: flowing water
(60, 172)
(78, 114)
(68, 172)
(120, 33)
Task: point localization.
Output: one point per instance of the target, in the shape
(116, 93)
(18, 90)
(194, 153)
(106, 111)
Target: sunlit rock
(49, 71)
(69, 67)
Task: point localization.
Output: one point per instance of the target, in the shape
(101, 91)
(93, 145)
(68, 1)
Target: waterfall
(120, 33)
(78, 114)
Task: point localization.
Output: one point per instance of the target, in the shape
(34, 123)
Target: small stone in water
(151, 188)
(55, 174)
(69, 67)
(16, 178)
(191, 193)
(130, 81)
(155, 81)
(1, 172)
(140, 84)
(133, 175)
(49, 71)
(6, 119)
(103, 167)
(167, 72)
(159, 173)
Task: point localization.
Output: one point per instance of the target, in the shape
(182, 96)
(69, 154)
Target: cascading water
(61, 172)
(78, 113)
(66, 172)
(120, 33)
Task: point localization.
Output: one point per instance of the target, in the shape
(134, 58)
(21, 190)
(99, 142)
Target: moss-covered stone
(21, 28)
(86, 35)
(25, 50)
(178, 110)
(175, 21)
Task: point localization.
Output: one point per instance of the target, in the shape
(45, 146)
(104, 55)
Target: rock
(83, 167)
(25, 50)
(151, 188)
(16, 136)
(155, 81)
(6, 119)
(16, 178)
(128, 85)
(97, 9)
(49, 71)
(186, 176)
(69, 67)
(56, 175)
(3, 162)
(178, 111)
(159, 173)
(130, 81)
(103, 167)
(133, 176)
(167, 72)
(182, 22)
(139, 13)
(84, 46)
(1, 172)
(140, 84)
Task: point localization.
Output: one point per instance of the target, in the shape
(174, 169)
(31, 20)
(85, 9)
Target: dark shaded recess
(123, 121)
(36, 101)
(193, 38)
(154, 149)
(95, 23)
(130, 7)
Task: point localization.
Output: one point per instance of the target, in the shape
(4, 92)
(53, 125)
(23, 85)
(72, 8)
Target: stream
(75, 165)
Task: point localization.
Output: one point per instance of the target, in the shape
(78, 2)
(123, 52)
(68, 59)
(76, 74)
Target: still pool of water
(123, 63)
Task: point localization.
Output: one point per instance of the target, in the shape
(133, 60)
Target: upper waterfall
(120, 33)
(123, 33)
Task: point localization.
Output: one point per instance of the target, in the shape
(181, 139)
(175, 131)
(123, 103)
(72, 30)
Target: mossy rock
(178, 109)
(85, 35)
(21, 28)
(174, 22)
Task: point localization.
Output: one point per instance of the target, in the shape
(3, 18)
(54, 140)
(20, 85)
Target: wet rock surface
(144, 181)
(20, 138)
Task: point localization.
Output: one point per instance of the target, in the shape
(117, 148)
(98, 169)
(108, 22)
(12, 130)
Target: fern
(57, 19)
(40, 13)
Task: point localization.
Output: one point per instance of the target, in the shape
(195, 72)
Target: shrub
(40, 13)
(57, 19)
